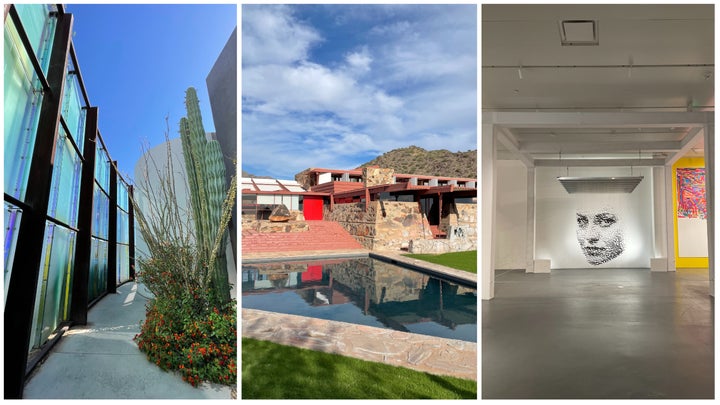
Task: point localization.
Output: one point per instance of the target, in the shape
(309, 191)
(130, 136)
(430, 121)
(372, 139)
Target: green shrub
(200, 347)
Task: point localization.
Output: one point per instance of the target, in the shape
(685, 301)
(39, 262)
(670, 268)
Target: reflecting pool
(363, 291)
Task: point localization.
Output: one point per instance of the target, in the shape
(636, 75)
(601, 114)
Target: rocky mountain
(416, 160)
(246, 174)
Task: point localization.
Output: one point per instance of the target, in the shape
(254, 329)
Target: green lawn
(458, 260)
(273, 371)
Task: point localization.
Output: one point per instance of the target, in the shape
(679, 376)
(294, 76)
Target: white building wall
(511, 215)
(557, 224)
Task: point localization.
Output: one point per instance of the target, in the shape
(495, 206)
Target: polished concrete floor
(598, 333)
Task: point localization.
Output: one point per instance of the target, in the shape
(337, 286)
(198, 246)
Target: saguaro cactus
(206, 179)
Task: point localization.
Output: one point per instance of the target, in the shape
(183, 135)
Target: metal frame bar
(81, 271)
(112, 232)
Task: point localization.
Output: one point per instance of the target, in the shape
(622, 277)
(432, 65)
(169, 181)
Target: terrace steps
(322, 235)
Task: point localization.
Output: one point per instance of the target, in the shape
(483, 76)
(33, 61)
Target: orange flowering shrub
(200, 347)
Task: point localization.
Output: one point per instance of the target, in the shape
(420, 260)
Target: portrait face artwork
(600, 235)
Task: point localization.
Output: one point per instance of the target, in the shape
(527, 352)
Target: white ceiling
(650, 59)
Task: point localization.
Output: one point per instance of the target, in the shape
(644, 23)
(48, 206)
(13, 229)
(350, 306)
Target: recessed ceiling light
(579, 32)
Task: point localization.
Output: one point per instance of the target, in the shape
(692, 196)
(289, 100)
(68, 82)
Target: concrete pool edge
(423, 353)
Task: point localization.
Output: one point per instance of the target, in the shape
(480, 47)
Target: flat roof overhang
(409, 189)
(285, 192)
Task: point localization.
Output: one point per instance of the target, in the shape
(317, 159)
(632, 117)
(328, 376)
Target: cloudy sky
(334, 86)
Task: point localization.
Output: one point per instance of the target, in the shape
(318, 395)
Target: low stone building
(381, 209)
(388, 211)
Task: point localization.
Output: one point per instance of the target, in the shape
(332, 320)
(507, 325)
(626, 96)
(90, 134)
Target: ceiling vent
(600, 184)
(579, 32)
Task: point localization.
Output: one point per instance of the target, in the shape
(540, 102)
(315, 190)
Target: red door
(313, 208)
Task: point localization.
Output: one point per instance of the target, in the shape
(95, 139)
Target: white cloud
(309, 87)
(411, 82)
(359, 62)
(271, 36)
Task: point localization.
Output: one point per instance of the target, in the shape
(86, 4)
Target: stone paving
(418, 352)
(429, 354)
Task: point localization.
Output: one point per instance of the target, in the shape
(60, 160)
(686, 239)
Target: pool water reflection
(363, 291)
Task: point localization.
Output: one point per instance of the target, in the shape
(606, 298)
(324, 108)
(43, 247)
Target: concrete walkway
(101, 360)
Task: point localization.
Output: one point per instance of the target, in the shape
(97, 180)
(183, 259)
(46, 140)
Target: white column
(530, 245)
(670, 213)
(659, 261)
(709, 131)
(487, 198)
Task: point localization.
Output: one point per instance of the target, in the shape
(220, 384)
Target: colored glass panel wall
(102, 167)
(53, 295)
(101, 206)
(65, 188)
(72, 110)
(12, 217)
(39, 26)
(22, 100)
(123, 227)
(123, 263)
(97, 281)
(122, 195)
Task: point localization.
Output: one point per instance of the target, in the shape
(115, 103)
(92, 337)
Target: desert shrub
(199, 347)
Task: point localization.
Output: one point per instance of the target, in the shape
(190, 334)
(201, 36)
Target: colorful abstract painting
(691, 193)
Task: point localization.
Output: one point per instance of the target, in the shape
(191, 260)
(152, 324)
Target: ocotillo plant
(206, 180)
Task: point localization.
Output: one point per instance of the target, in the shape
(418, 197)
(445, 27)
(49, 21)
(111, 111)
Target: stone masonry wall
(387, 225)
(437, 246)
(458, 215)
(397, 223)
(296, 224)
(358, 222)
(460, 224)
(373, 176)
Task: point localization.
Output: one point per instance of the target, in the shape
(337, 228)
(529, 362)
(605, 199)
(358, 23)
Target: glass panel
(53, 296)
(123, 263)
(123, 235)
(13, 215)
(122, 195)
(22, 101)
(97, 280)
(40, 29)
(73, 111)
(101, 210)
(65, 190)
(102, 167)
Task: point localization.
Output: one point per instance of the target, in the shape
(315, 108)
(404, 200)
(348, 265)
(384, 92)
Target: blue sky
(337, 85)
(137, 60)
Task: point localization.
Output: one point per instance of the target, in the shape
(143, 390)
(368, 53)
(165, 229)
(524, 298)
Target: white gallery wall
(692, 237)
(557, 218)
(511, 215)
